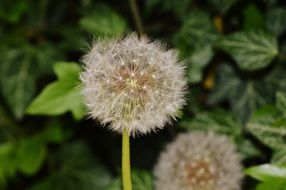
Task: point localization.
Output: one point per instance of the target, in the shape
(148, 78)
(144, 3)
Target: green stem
(136, 17)
(126, 173)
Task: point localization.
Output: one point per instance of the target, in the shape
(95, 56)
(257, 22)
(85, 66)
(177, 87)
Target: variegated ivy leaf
(279, 156)
(197, 62)
(198, 27)
(103, 21)
(245, 95)
(269, 127)
(224, 123)
(281, 102)
(20, 67)
(275, 21)
(251, 50)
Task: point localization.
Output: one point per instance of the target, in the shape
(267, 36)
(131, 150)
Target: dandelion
(199, 161)
(133, 84)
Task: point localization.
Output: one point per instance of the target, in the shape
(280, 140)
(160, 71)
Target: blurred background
(235, 51)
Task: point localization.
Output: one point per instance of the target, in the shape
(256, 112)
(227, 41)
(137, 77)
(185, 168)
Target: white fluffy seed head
(199, 161)
(133, 84)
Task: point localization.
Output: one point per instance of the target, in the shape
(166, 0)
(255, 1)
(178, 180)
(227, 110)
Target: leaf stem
(126, 172)
(136, 17)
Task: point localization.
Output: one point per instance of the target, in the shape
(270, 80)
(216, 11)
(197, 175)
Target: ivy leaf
(251, 50)
(266, 171)
(179, 7)
(218, 120)
(197, 62)
(8, 165)
(196, 26)
(103, 22)
(61, 96)
(53, 132)
(222, 6)
(273, 184)
(253, 18)
(115, 185)
(281, 102)
(275, 21)
(222, 122)
(268, 126)
(244, 96)
(12, 11)
(247, 148)
(30, 155)
(26, 156)
(279, 156)
(142, 180)
(20, 68)
(75, 169)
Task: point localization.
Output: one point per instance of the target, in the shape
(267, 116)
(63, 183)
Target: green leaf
(279, 156)
(75, 169)
(61, 96)
(8, 165)
(26, 155)
(251, 50)
(222, 122)
(31, 154)
(268, 126)
(247, 148)
(142, 180)
(253, 18)
(197, 25)
(218, 120)
(244, 96)
(103, 22)
(266, 172)
(197, 62)
(67, 71)
(178, 7)
(12, 11)
(222, 6)
(273, 184)
(275, 20)
(20, 67)
(281, 102)
(53, 132)
(115, 185)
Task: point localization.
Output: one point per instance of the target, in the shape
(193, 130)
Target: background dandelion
(199, 161)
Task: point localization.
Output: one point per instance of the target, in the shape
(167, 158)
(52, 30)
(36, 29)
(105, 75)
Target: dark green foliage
(234, 51)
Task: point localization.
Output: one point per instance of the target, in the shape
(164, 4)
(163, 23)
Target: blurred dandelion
(133, 84)
(199, 161)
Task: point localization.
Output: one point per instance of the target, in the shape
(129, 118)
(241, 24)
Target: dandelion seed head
(128, 82)
(199, 161)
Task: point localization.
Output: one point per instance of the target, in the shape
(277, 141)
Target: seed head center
(132, 83)
(200, 173)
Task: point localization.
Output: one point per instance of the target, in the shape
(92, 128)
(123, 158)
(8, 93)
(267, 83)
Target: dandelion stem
(136, 17)
(126, 173)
